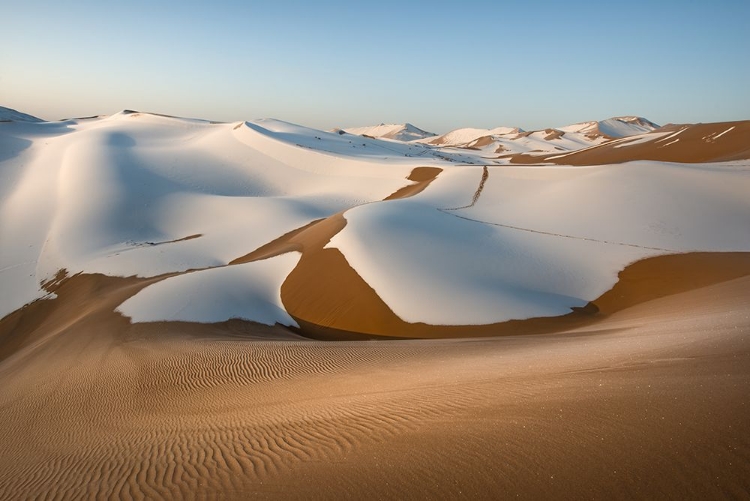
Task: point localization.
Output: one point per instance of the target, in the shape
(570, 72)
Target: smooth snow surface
(538, 241)
(248, 291)
(616, 127)
(466, 135)
(11, 115)
(398, 132)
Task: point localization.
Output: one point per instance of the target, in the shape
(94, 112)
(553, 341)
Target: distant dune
(11, 115)
(691, 143)
(399, 132)
(613, 128)
(263, 310)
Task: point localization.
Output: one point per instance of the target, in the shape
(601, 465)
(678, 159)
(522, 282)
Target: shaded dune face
(712, 142)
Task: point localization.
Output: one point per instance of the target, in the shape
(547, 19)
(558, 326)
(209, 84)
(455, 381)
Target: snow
(501, 131)
(109, 195)
(399, 132)
(616, 127)
(633, 140)
(460, 137)
(721, 134)
(11, 115)
(508, 141)
(583, 127)
(250, 291)
(512, 256)
(512, 140)
(349, 151)
(430, 266)
(144, 195)
(674, 134)
(658, 205)
(625, 126)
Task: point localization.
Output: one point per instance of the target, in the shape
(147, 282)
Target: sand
(650, 401)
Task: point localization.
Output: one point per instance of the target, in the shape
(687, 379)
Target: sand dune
(398, 132)
(262, 310)
(612, 128)
(549, 141)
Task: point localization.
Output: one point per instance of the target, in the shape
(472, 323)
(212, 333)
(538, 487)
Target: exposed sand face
(553, 134)
(481, 142)
(648, 402)
(330, 301)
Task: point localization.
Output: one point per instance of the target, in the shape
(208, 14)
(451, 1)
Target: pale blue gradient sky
(439, 65)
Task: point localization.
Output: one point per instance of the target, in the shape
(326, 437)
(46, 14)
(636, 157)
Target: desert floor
(650, 401)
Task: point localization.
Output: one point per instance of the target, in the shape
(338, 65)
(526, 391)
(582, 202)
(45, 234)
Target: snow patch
(250, 291)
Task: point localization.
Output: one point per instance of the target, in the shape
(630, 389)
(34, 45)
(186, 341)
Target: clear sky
(439, 65)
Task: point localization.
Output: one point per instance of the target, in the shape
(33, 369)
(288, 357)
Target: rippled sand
(651, 401)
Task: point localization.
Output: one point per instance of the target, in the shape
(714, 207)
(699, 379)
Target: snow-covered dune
(613, 128)
(249, 291)
(464, 136)
(120, 195)
(501, 142)
(457, 243)
(399, 132)
(537, 241)
(11, 115)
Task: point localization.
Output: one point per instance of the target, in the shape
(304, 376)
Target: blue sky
(439, 65)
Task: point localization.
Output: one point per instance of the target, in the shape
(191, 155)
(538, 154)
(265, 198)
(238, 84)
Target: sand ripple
(651, 401)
